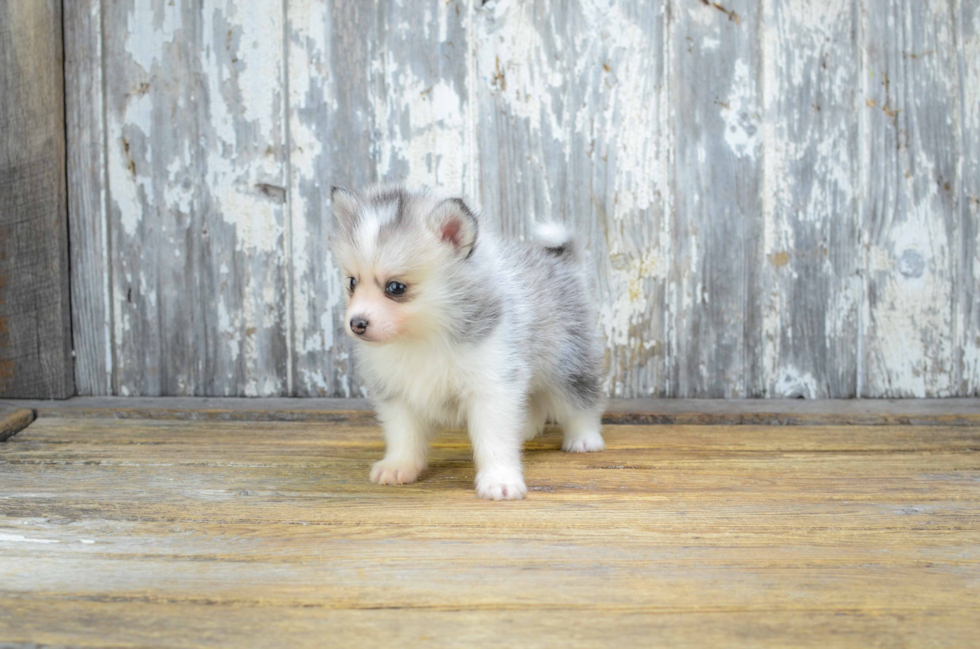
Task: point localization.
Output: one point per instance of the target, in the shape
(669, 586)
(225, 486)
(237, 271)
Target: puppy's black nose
(358, 325)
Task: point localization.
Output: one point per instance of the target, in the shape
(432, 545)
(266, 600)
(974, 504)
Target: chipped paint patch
(739, 113)
(629, 282)
(791, 383)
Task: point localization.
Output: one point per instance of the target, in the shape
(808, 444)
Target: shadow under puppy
(456, 326)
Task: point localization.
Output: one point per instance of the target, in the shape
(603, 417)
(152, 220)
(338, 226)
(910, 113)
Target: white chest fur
(433, 380)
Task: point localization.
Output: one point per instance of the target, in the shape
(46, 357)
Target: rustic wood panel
(573, 104)
(911, 216)
(35, 323)
(196, 160)
(763, 212)
(378, 92)
(91, 267)
(811, 272)
(156, 228)
(331, 47)
(706, 536)
(968, 280)
(715, 307)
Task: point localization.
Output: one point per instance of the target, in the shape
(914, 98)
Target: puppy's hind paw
(501, 486)
(386, 472)
(585, 444)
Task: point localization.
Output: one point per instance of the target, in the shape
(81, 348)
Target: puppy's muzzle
(358, 325)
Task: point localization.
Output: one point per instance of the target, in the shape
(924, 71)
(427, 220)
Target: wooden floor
(181, 532)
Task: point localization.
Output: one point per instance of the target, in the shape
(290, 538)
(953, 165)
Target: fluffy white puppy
(456, 327)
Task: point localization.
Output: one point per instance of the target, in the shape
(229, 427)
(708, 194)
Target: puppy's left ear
(455, 223)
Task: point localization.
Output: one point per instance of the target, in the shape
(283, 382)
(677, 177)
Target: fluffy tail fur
(555, 238)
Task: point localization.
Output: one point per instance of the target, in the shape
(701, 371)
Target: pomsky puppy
(456, 327)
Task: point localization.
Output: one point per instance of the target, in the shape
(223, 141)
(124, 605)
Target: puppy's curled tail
(556, 239)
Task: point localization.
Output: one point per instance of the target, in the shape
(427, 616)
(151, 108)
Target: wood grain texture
(911, 216)
(812, 276)
(213, 533)
(91, 268)
(764, 215)
(35, 322)
(715, 305)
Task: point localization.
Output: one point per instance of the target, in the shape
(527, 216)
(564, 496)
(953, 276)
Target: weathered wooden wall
(781, 197)
(35, 326)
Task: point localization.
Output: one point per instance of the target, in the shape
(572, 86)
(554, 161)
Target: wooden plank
(35, 326)
(13, 420)
(572, 127)
(87, 187)
(230, 436)
(113, 531)
(196, 163)
(155, 216)
(330, 116)
(273, 626)
(378, 92)
(715, 301)
(911, 220)
(968, 279)
(811, 274)
(783, 412)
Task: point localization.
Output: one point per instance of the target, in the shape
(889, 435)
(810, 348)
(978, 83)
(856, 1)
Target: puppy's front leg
(496, 425)
(407, 437)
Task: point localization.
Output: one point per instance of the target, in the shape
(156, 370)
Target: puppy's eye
(395, 288)
(351, 283)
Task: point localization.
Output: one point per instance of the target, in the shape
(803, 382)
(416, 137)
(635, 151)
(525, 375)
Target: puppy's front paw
(585, 444)
(388, 472)
(500, 485)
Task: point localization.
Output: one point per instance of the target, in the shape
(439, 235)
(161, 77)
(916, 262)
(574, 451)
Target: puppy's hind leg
(581, 422)
(537, 415)
(583, 431)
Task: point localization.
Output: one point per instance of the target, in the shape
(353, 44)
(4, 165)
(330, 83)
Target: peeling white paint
(433, 147)
(741, 122)
(628, 284)
(150, 27)
(791, 383)
(513, 61)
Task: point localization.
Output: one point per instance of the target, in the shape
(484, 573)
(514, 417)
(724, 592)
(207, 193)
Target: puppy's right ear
(345, 205)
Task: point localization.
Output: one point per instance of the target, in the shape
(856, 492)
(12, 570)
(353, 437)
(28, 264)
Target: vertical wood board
(911, 221)
(968, 279)
(716, 113)
(35, 323)
(572, 97)
(811, 277)
(197, 175)
(91, 267)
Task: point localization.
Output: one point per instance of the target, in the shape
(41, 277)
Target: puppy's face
(395, 249)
